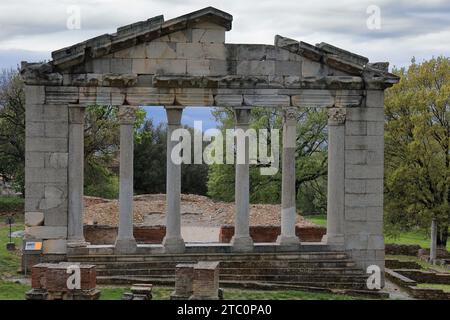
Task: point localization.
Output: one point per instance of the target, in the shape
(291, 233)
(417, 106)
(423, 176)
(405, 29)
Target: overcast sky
(30, 29)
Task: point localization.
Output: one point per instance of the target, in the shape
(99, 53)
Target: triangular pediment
(136, 33)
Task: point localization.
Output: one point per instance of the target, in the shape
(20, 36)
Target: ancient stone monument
(186, 62)
(51, 281)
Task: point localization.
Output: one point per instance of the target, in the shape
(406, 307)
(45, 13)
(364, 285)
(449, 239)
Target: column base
(333, 239)
(173, 245)
(79, 243)
(242, 244)
(288, 241)
(125, 246)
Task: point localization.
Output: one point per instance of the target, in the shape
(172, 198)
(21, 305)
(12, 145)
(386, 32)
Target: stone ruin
(186, 62)
(198, 281)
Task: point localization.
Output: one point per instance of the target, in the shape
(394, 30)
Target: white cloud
(408, 27)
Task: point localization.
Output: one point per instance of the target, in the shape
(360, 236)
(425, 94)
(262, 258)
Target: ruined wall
(364, 154)
(46, 154)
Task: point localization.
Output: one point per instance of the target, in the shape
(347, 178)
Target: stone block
(45, 175)
(161, 50)
(121, 65)
(375, 157)
(375, 213)
(215, 51)
(376, 242)
(356, 241)
(217, 67)
(256, 68)
(34, 112)
(267, 100)
(32, 203)
(56, 160)
(375, 99)
(205, 285)
(365, 114)
(46, 144)
(46, 232)
(159, 66)
(208, 35)
(55, 246)
(364, 142)
(135, 52)
(101, 65)
(34, 190)
(34, 129)
(38, 275)
(311, 68)
(58, 112)
(184, 277)
(374, 186)
(34, 159)
(355, 128)
(355, 213)
(54, 196)
(355, 186)
(355, 156)
(375, 128)
(363, 200)
(34, 95)
(58, 129)
(195, 51)
(178, 36)
(198, 67)
(34, 218)
(288, 68)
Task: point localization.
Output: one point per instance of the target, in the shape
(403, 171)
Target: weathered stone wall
(101, 234)
(46, 153)
(364, 154)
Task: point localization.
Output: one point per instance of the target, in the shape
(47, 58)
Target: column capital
(127, 114)
(336, 116)
(76, 114)
(242, 115)
(174, 114)
(290, 115)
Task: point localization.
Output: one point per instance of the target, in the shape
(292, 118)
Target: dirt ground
(196, 211)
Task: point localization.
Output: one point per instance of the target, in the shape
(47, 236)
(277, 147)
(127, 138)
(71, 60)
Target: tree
(12, 128)
(311, 160)
(150, 163)
(101, 149)
(417, 159)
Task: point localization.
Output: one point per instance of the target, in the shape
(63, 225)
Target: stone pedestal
(75, 178)
(125, 242)
(206, 281)
(184, 277)
(173, 242)
(288, 195)
(241, 241)
(336, 176)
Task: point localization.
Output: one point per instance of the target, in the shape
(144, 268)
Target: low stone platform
(321, 268)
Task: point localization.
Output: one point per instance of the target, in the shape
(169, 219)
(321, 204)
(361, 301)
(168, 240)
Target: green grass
(9, 261)
(445, 287)
(410, 238)
(425, 265)
(11, 203)
(12, 291)
(163, 293)
(319, 219)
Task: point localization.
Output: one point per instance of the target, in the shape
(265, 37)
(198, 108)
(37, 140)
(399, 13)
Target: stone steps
(234, 271)
(341, 263)
(324, 269)
(246, 284)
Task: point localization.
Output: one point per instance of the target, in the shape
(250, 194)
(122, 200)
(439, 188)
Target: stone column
(75, 233)
(173, 242)
(125, 242)
(241, 240)
(288, 196)
(336, 177)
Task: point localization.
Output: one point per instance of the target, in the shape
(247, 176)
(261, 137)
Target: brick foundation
(270, 233)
